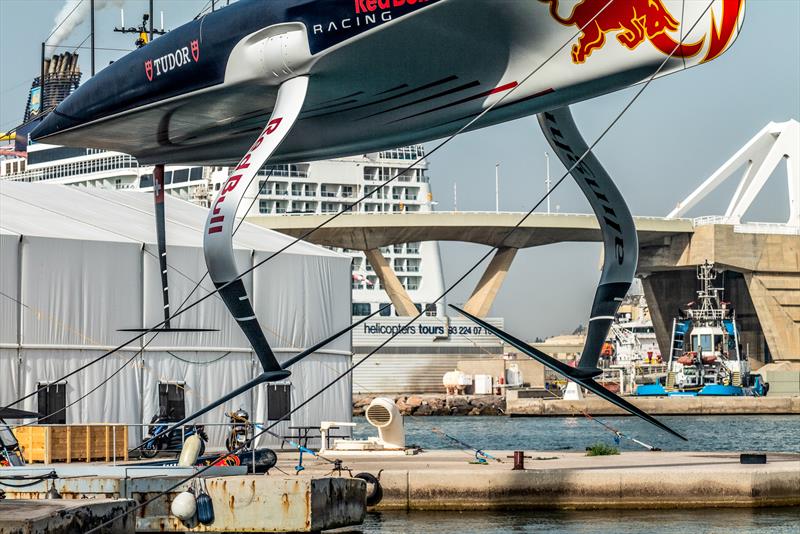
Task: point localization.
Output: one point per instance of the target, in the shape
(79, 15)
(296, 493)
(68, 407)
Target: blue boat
(705, 357)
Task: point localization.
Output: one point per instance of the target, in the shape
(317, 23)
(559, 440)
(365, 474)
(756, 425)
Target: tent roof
(69, 212)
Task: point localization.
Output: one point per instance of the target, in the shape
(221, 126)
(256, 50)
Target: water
(740, 521)
(735, 433)
(777, 433)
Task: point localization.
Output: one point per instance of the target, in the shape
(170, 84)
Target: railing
(284, 173)
(99, 166)
(748, 227)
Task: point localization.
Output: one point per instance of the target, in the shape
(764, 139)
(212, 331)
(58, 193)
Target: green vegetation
(601, 449)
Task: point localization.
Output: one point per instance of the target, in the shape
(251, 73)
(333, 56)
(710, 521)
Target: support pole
(391, 284)
(91, 22)
(482, 298)
(151, 21)
(161, 237)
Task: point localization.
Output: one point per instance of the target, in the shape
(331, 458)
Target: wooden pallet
(71, 443)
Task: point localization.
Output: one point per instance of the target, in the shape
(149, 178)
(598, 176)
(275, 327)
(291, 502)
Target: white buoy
(190, 451)
(184, 506)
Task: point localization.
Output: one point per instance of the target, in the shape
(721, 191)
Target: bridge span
(361, 231)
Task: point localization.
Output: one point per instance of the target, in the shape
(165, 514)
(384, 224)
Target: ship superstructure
(706, 357)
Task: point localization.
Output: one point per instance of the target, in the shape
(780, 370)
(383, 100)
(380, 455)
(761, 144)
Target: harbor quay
(451, 480)
(678, 405)
(514, 403)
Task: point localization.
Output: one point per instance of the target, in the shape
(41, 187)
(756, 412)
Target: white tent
(77, 265)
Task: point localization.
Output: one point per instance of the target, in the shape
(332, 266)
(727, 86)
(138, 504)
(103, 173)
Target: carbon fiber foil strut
(621, 253)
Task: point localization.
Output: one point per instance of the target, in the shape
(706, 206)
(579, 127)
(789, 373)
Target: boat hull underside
(370, 93)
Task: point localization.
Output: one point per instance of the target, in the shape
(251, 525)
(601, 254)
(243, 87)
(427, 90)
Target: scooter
(241, 430)
(173, 441)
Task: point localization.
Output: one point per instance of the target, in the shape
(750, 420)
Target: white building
(78, 265)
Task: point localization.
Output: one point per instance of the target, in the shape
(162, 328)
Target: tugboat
(705, 355)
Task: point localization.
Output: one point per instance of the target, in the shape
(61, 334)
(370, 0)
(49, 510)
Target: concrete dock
(241, 502)
(516, 405)
(445, 480)
(60, 516)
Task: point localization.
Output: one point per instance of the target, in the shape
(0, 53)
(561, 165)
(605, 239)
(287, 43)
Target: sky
(680, 130)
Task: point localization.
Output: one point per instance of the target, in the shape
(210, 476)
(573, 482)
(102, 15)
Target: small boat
(705, 354)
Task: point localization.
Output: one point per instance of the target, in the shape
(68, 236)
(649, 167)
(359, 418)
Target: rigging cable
(156, 333)
(618, 434)
(64, 20)
(460, 279)
(346, 208)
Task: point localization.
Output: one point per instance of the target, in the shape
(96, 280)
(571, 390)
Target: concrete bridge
(362, 231)
(761, 262)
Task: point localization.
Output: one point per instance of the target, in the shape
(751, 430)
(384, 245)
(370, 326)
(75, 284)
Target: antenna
(145, 33)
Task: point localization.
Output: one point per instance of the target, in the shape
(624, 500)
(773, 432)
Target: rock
(457, 400)
(424, 409)
(414, 402)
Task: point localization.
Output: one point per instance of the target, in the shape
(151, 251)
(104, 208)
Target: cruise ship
(283, 190)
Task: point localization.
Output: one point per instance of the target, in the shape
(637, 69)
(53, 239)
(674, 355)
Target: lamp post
(547, 179)
(497, 188)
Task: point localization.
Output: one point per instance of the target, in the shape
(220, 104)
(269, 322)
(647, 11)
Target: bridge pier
(482, 298)
(400, 298)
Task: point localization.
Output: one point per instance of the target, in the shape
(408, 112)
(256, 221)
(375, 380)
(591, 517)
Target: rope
(304, 403)
(34, 480)
(618, 434)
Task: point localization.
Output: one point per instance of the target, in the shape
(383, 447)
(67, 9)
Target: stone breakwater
(438, 404)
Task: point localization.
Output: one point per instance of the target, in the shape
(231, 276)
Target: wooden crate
(70, 443)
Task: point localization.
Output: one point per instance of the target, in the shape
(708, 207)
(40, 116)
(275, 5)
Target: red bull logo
(370, 6)
(233, 181)
(637, 21)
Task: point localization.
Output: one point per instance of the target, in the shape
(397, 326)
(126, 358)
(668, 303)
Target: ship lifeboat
(688, 358)
(708, 360)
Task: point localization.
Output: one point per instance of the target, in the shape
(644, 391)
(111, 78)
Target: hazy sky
(680, 130)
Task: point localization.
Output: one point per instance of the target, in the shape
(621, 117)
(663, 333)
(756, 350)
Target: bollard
(519, 460)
